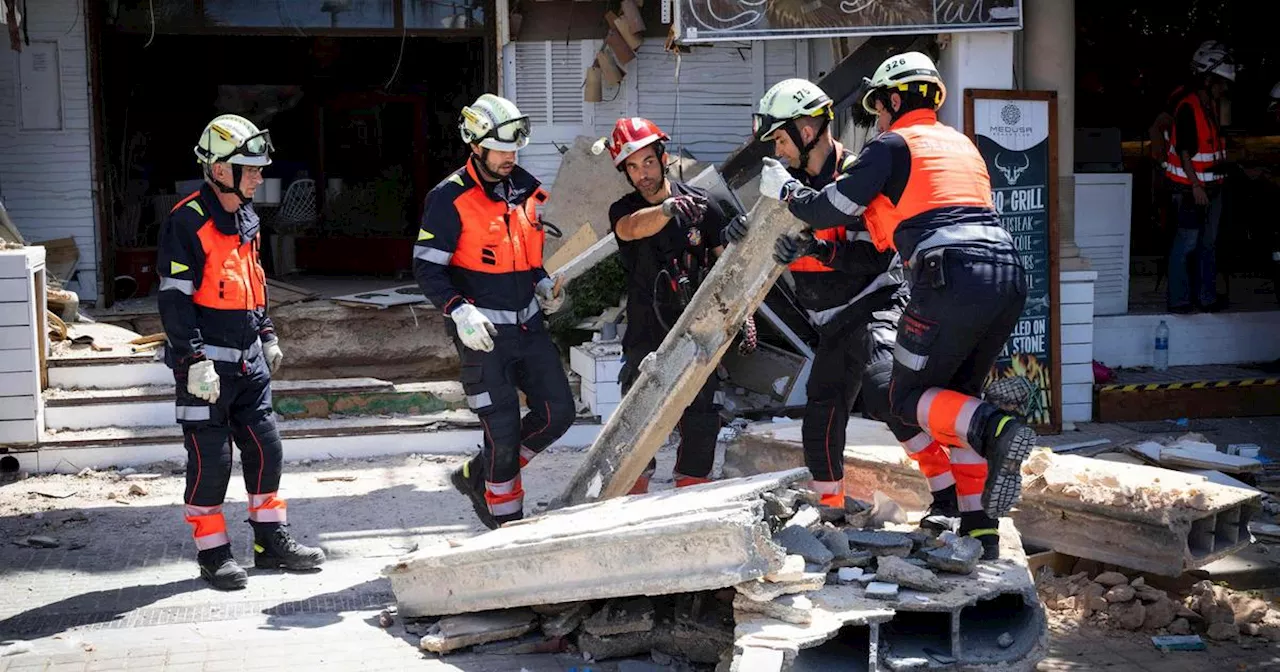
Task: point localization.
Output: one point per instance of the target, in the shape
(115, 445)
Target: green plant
(601, 287)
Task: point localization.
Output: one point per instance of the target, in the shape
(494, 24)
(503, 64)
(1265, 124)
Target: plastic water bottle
(1161, 358)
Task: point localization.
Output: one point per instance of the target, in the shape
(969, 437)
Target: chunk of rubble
(1110, 579)
(568, 620)
(789, 608)
(792, 569)
(459, 632)
(960, 555)
(619, 617)
(800, 541)
(880, 543)
(843, 555)
(694, 539)
(893, 569)
(882, 590)
(758, 659)
(762, 591)
(807, 517)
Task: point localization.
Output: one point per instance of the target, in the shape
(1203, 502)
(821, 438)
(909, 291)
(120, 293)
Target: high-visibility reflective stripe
(184, 286)
(856, 236)
(828, 487)
(842, 203)
(479, 400)
(966, 456)
(909, 359)
(917, 443)
(511, 316)
(208, 541)
(191, 413)
(193, 510)
(946, 415)
(219, 353)
(683, 481)
(432, 255)
(969, 502)
(268, 516)
(504, 488)
(208, 527)
(942, 481)
(889, 278)
(507, 508)
(526, 455)
(958, 234)
(267, 507)
(1177, 170)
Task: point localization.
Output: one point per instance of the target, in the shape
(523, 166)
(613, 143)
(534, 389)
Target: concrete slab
(700, 538)
(1146, 518)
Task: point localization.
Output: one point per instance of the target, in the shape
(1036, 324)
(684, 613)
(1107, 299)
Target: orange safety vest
(497, 237)
(946, 171)
(833, 235)
(1211, 149)
(233, 278)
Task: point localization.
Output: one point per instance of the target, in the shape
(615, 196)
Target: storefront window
(301, 13)
(444, 14)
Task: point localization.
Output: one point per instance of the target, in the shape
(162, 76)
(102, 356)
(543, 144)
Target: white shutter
(566, 82)
(549, 81)
(531, 81)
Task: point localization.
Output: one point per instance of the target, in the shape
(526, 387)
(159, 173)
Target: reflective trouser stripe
(504, 498)
(683, 481)
(219, 353)
(526, 456)
(191, 413)
(184, 286)
(942, 481)
(946, 414)
(267, 508)
(208, 527)
(831, 493)
(959, 234)
(932, 459)
(970, 502)
(970, 470)
(909, 359)
(478, 401)
(511, 316)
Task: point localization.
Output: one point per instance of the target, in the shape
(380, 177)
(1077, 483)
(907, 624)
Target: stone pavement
(121, 592)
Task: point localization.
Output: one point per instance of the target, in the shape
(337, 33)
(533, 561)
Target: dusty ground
(120, 589)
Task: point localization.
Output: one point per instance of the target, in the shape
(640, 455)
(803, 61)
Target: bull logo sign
(1012, 173)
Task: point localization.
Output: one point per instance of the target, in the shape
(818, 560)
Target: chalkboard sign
(719, 20)
(1017, 134)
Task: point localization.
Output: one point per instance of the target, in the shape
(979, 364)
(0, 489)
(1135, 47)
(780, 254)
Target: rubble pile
(1116, 601)
(1096, 482)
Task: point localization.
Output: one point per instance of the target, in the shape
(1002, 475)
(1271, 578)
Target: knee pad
(875, 390)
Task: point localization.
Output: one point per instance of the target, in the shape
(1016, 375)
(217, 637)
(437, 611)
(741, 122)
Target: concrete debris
(1127, 615)
(1005, 640)
(776, 507)
(792, 569)
(1110, 579)
(758, 659)
(960, 555)
(565, 622)
(881, 543)
(1223, 631)
(1180, 626)
(137, 490)
(789, 608)
(529, 644)
(459, 632)
(619, 617)
(1158, 615)
(1120, 593)
(893, 569)
(807, 517)
(881, 590)
(618, 646)
(849, 574)
(761, 591)
(800, 541)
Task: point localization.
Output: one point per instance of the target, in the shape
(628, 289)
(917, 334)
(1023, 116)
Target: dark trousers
(699, 424)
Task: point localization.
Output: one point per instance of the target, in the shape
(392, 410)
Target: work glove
(548, 300)
(202, 381)
(748, 343)
(776, 182)
(736, 230)
(272, 352)
(475, 330)
(687, 209)
(790, 247)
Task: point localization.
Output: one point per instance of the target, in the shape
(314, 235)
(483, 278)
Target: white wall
(46, 176)
(1206, 338)
(981, 60)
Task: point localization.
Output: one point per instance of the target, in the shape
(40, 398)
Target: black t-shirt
(673, 249)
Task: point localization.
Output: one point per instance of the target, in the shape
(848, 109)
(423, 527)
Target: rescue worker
(1194, 151)
(922, 189)
(223, 351)
(479, 258)
(668, 237)
(854, 295)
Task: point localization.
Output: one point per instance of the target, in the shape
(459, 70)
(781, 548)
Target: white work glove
(775, 181)
(274, 356)
(202, 381)
(547, 298)
(475, 330)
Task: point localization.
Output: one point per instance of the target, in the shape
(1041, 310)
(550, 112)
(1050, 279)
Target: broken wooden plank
(671, 377)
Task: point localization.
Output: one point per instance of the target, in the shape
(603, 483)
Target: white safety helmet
(494, 123)
(1213, 57)
(233, 139)
(787, 100)
(898, 73)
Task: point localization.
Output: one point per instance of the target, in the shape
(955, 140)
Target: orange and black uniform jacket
(908, 183)
(212, 287)
(850, 265)
(481, 242)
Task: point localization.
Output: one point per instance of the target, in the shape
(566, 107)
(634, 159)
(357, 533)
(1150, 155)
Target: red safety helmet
(630, 136)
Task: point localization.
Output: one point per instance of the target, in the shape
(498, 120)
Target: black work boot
(1006, 444)
(275, 548)
(943, 511)
(220, 569)
(984, 528)
(469, 480)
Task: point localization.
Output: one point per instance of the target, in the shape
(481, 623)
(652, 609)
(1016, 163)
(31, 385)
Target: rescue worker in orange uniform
(479, 258)
(223, 350)
(1194, 157)
(854, 295)
(921, 188)
(668, 238)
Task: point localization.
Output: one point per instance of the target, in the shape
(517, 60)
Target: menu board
(719, 20)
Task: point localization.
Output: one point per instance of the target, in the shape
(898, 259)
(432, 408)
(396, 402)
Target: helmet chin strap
(793, 130)
(237, 175)
(482, 166)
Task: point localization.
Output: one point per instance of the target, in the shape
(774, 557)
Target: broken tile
(849, 574)
(880, 590)
(458, 632)
(896, 570)
(618, 617)
(880, 543)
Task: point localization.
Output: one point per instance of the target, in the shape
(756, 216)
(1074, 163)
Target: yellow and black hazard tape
(1190, 385)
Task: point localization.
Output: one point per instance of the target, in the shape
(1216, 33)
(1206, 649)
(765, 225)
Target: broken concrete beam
(459, 632)
(671, 377)
(699, 538)
(1145, 518)
(965, 621)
